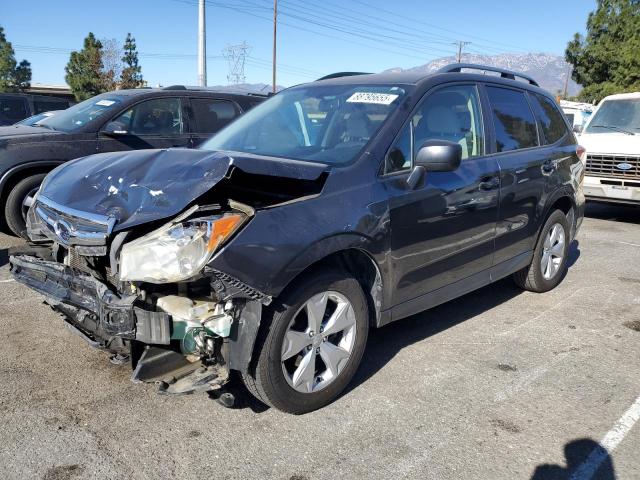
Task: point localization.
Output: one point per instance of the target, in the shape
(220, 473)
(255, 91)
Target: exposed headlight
(177, 251)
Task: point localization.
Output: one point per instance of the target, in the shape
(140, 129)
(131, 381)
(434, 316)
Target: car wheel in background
(549, 262)
(310, 343)
(18, 202)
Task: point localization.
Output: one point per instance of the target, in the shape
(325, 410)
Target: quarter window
(549, 118)
(153, 117)
(212, 115)
(513, 120)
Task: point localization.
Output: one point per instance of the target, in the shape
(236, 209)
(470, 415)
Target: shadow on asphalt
(613, 212)
(4, 257)
(585, 459)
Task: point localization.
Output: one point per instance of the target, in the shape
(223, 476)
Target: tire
(537, 277)
(13, 209)
(271, 379)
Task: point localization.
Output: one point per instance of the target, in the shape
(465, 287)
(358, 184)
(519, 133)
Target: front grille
(609, 166)
(71, 227)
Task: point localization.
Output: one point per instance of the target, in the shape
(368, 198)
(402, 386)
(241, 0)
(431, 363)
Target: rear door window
(513, 121)
(549, 118)
(213, 114)
(13, 108)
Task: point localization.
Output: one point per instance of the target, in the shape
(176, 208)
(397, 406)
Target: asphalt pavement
(499, 384)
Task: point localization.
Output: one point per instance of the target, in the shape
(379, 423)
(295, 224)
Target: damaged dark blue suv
(332, 208)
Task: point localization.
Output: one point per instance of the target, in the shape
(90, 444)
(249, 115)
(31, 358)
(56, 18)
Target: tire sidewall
(557, 216)
(273, 381)
(13, 206)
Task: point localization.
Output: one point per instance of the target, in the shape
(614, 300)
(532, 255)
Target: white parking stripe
(7, 281)
(610, 441)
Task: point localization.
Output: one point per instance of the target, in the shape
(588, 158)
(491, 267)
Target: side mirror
(113, 129)
(577, 129)
(439, 156)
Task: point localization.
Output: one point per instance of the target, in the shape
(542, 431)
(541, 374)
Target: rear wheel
(19, 201)
(549, 262)
(311, 343)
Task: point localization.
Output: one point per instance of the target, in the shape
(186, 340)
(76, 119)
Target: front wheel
(311, 343)
(19, 201)
(549, 262)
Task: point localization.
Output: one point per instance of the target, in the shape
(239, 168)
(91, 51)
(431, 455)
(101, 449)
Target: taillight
(582, 153)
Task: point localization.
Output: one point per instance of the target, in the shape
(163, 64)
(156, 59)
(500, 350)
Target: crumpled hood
(140, 186)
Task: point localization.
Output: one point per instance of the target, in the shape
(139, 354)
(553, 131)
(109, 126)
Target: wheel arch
(563, 199)
(14, 175)
(361, 265)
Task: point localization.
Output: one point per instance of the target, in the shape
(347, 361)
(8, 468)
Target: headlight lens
(177, 251)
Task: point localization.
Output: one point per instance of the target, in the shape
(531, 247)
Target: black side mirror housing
(113, 129)
(439, 156)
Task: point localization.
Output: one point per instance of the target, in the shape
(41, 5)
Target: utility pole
(566, 81)
(202, 46)
(275, 37)
(460, 44)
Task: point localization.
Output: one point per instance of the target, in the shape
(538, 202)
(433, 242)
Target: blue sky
(311, 35)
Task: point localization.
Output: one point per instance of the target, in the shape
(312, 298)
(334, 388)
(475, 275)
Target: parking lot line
(610, 441)
(7, 281)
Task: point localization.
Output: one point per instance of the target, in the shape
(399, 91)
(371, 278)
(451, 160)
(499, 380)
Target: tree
(606, 61)
(111, 64)
(13, 77)
(131, 76)
(85, 69)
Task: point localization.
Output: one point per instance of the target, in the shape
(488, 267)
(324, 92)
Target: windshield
(618, 116)
(33, 119)
(329, 124)
(79, 115)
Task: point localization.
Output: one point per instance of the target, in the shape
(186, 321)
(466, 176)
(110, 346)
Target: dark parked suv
(115, 121)
(15, 107)
(332, 208)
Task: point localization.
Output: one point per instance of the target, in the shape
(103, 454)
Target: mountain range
(550, 71)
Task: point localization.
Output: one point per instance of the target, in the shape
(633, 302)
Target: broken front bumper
(89, 305)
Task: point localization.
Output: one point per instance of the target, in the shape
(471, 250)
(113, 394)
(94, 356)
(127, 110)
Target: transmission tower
(236, 56)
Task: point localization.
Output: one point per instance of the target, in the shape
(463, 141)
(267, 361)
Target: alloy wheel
(553, 251)
(318, 342)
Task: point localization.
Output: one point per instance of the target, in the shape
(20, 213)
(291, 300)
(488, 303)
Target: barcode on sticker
(371, 97)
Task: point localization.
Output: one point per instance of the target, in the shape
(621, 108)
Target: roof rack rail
(457, 67)
(341, 74)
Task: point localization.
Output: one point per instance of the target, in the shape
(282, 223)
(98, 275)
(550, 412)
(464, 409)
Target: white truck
(611, 138)
(577, 113)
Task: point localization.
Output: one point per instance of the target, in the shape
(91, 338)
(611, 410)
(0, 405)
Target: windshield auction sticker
(371, 97)
(105, 103)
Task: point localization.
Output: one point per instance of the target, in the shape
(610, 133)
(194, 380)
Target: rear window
(549, 118)
(513, 120)
(12, 108)
(40, 106)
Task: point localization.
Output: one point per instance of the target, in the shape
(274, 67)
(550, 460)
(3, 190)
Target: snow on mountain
(550, 71)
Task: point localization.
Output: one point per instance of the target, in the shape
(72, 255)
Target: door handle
(489, 183)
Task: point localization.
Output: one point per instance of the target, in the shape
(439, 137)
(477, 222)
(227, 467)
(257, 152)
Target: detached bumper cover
(89, 304)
